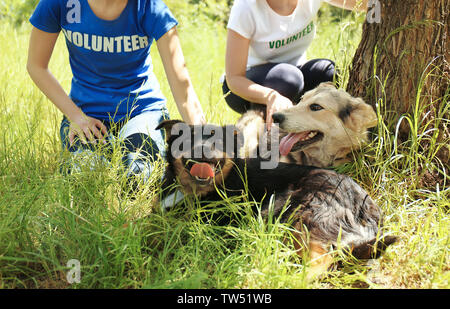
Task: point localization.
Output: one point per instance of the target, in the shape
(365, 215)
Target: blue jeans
(137, 137)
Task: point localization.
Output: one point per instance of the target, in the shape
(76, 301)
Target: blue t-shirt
(110, 60)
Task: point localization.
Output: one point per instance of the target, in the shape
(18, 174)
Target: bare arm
(39, 53)
(360, 5)
(235, 68)
(183, 92)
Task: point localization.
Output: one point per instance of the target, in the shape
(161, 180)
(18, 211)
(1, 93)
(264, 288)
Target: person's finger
(76, 132)
(88, 134)
(102, 127)
(269, 118)
(96, 133)
(103, 130)
(71, 137)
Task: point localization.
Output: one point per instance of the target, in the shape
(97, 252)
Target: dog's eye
(315, 107)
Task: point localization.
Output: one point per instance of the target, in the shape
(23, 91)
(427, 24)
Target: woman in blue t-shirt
(114, 89)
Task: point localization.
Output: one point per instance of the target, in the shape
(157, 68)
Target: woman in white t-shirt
(266, 66)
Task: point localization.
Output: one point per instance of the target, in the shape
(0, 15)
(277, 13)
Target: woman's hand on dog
(87, 129)
(275, 103)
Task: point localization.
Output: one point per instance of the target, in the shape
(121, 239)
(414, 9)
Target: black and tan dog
(327, 210)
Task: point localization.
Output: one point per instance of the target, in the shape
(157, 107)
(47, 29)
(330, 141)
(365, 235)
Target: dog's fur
(337, 121)
(327, 210)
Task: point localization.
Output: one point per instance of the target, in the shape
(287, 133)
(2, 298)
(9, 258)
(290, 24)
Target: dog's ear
(167, 126)
(359, 116)
(326, 85)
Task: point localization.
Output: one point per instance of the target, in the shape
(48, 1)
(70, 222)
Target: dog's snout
(278, 117)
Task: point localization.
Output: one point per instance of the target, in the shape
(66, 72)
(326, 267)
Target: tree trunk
(402, 62)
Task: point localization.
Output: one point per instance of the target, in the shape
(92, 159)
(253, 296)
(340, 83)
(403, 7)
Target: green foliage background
(123, 239)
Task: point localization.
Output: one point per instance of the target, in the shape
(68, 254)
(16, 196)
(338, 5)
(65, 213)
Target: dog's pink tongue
(288, 142)
(202, 170)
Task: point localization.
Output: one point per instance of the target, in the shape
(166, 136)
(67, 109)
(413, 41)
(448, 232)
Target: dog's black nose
(278, 117)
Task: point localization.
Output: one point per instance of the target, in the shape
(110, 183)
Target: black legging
(287, 79)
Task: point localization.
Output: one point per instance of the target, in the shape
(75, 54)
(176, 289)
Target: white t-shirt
(273, 37)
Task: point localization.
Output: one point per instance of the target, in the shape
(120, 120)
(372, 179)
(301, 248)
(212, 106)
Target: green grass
(123, 240)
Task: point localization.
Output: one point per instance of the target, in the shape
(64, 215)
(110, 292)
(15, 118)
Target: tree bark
(402, 62)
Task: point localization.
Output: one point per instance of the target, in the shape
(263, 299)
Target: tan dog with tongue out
(322, 130)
